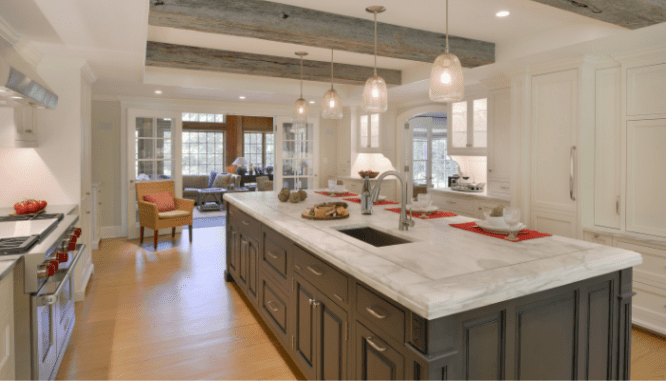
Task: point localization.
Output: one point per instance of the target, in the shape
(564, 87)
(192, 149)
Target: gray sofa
(192, 183)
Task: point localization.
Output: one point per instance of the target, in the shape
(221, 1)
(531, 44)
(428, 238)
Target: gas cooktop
(17, 245)
(32, 217)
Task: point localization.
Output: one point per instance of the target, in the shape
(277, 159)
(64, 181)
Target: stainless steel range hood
(20, 85)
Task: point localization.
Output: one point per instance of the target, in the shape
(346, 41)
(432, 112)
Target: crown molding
(23, 47)
(649, 54)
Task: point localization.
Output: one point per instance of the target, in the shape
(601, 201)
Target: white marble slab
(443, 270)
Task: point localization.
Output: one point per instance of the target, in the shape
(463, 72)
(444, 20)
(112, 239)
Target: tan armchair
(150, 217)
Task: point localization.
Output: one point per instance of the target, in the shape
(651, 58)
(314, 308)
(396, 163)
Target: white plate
(381, 198)
(498, 229)
(429, 209)
(338, 191)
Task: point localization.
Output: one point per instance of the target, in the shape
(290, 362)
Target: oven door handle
(49, 299)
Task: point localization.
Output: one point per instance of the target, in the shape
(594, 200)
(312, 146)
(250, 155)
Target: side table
(210, 199)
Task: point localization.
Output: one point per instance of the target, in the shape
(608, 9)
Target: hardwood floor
(170, 315)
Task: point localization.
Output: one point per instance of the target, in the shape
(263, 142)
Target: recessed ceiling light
(311, 102)
(242, 97)
(502, 13)
(17, 97)
(158, 92)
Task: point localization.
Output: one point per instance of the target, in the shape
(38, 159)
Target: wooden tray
(307, 215)
(28, 214)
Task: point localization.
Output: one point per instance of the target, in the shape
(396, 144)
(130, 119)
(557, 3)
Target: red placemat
(329, 194)
(437, 214)
(523, 235)
(384, 202)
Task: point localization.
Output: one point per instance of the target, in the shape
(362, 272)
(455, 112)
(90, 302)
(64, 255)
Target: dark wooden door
(375, 359)
(234, 250)
(253, 269)
(304, 327)
(332, 338)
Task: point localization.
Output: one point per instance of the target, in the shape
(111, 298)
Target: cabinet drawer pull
(451, 202)
(337, 296)
(272, 255)
(311, 301)
(273, 306)
(315, 271)
(374, 345)
(297, 267)
(246, 223)
(617, 205)
(376, 314)
(504, 187)
(596, 235)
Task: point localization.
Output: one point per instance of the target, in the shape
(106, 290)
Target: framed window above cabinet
(468, 127)
(369, 139)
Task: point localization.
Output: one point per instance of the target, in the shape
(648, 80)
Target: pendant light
(331, 107)
(375, 95)
(300, 114)
(446, 78)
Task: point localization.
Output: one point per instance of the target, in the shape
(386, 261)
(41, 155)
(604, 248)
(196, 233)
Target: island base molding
(334, 326)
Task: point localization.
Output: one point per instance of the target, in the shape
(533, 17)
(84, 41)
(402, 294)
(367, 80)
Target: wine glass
(512, 218)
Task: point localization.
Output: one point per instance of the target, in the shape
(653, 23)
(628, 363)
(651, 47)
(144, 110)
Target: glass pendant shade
(331, 106)
(375, 95)
(300, 114)
(446, 79)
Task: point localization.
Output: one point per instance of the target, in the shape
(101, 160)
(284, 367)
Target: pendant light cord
(331, 69)
(447, 26)
(375, 13)
(301, 77)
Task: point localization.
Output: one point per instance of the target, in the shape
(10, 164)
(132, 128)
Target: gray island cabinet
(342, 309)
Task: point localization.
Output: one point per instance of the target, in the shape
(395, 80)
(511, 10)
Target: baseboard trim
(80, 293)
(111, 232)
(95, 244)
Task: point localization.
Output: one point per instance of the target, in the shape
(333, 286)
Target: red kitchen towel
(329, 194)
(523, 235)
(384, 202)
(437, 214)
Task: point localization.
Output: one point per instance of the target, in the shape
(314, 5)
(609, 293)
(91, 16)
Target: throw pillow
(211, 178)
(231, 169)
(222, 180)
(164, 201)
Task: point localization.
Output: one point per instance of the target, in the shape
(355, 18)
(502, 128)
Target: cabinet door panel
(499, 134)
(234, 250)
(332, 340)
(378, 361)
(646, 178)
(552, 223)
(304, 327)
(243, 262)
(253, 269)
(554, 125)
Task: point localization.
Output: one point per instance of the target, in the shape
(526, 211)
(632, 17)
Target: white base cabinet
(7, 363)
(463, 204)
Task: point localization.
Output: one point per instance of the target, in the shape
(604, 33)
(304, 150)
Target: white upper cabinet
(646, 91)
(646, 177)
(468, 127)
(499, 134)
(607, 153)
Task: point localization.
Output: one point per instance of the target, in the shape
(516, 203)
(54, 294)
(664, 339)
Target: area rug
(208, 219)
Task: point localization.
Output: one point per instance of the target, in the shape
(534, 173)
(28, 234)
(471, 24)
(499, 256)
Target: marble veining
(443, 270)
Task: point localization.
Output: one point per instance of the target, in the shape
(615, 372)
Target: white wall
(52, 171)
(106, 159)
(328, 150)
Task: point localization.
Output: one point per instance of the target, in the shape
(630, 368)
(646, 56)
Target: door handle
(571, 174)
(617, 205)
(315, 271)
(272, 305)
(374, 345)
(376, 314)
(270, 254)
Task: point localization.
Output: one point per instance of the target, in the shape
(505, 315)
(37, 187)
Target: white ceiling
(112, 36)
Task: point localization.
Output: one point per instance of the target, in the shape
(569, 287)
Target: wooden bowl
(371, 174)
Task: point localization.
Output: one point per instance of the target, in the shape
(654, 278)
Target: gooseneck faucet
(404, 223)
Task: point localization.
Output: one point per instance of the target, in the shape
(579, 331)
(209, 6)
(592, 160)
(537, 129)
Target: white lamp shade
(446, 79)
(301, 110)
(371, 162)
(375, 95)
(241, 162)
(331, 106)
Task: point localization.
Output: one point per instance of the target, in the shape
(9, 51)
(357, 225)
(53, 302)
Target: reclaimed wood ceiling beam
(289, 24)
(630, 14)
(187, 57)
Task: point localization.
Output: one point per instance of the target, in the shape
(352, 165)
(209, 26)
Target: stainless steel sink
(372, 236)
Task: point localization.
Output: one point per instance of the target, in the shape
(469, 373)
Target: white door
(297, 155)
(646, 177)
(153, 154)
(554, 126)
(430, 163)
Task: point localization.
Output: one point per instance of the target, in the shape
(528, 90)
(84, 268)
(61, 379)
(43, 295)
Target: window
(431, 164)
(370, 131)
(469, 124)
(203, 152)
(202, 118)
(259, 148)
(152, 149)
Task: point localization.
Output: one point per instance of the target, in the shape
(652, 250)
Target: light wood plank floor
(170, 315)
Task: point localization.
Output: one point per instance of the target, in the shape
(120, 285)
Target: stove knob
(71, 245)
(77, 232)
(62, 257)
(46, 270)
(73, 238)
(55, 265)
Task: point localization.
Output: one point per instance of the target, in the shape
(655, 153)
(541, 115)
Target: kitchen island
(447, 304)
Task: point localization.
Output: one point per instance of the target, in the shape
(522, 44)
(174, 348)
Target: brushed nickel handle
(617, 205)
(310, 301)
(316, 304)
(271, 304)
(297, 267)
(315, 271)
(246, 223)
(376, 314)
(451, 202)
(270, 254)
(504, 187)
(374, 345)
(571, 174)
(337, 296)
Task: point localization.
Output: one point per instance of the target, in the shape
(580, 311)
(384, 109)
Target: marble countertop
(64, 209)
(474, 195)
(444, 270)
(7, 265)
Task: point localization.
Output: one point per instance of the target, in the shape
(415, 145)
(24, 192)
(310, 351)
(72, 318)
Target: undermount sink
(372, 236)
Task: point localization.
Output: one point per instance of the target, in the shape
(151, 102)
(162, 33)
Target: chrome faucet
(404, 223)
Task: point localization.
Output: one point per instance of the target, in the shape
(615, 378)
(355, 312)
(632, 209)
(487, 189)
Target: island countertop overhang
(444, 270)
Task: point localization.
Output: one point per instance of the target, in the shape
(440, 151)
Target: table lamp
(241, 163)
